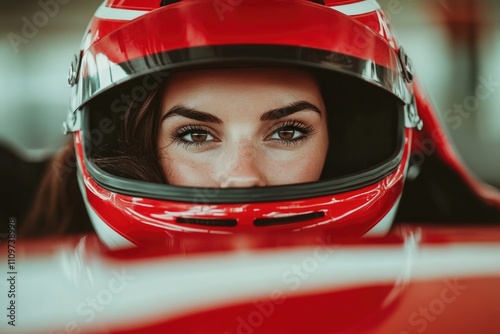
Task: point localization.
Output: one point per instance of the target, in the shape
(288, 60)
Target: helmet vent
(260, 222)
(167, 2)
(208, 222)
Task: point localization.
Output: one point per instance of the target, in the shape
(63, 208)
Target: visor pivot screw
(407, 64)
(73, 71)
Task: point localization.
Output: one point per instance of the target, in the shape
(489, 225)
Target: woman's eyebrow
(278, 113)
(191, 113)
(267, 116)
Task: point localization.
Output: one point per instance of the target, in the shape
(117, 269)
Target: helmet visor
(365, 130)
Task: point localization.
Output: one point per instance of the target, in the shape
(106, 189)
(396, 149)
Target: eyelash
(294, 125)
(179, 134)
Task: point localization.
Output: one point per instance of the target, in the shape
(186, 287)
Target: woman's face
(250, 127)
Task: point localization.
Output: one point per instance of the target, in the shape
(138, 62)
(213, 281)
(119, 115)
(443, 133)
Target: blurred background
(34, 67)
(455, 45)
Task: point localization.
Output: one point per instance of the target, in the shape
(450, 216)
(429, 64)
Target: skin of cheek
(274, 166)
(293, 166)
(299, 163)
(186, 169)
(207, 168)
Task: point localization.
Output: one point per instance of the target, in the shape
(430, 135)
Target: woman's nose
(242, 169)
(240, 182)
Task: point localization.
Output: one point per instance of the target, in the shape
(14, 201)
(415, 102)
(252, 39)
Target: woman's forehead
(257, 85)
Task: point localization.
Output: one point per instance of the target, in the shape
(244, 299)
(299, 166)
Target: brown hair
(58, 207)
(136, 156)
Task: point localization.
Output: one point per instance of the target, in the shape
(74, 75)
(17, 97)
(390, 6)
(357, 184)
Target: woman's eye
(193, 135)
(198, 137)
(287, 134)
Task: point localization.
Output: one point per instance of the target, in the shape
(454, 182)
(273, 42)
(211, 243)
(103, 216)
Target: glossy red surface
(414, 280)
(351, 311)
(422, 306)
(340, 2)
(134, 4)
(379, 24)
(423, 297)
(152, 4)
(144, 220)
(255, 22)
(112, 41)
(375, 20)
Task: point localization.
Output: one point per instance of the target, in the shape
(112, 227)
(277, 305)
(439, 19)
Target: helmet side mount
(72, 123)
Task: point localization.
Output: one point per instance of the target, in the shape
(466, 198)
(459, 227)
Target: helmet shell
(132, 39)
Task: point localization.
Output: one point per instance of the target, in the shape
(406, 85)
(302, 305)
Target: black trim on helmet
(229, 55)
(136, 188)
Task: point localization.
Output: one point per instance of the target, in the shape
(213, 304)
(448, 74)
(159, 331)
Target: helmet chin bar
(384, 225)
(114, 241)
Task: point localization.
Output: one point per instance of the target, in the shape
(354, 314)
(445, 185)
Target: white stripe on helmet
(358, 8)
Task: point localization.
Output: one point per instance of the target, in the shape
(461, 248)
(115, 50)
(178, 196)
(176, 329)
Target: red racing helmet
(131, 48)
